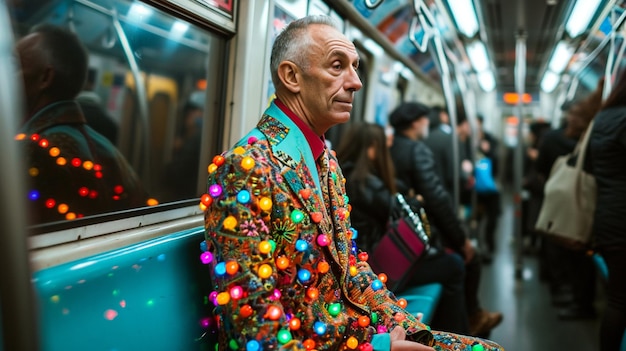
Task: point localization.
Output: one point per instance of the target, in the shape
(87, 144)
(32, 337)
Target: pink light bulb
(206, 257)
(236, 292)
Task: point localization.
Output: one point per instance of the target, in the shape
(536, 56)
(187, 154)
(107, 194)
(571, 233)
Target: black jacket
(607, 147)
(439, 142)
(553, 144)
(415, 168)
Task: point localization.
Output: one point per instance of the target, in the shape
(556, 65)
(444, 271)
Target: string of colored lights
(83, 191)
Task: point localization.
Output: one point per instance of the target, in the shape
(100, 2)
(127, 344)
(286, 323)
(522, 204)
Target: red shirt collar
(316, 142)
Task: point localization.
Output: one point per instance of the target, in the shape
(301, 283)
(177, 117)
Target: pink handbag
(405, 241)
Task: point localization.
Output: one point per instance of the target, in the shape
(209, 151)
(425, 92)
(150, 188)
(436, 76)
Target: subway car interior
(180, 81)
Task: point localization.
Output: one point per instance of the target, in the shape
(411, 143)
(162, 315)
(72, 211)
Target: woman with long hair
(371, 185)
(366, 163)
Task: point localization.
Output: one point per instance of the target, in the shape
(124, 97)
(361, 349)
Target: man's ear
(289, 75)
(416, 123)
(46, 78)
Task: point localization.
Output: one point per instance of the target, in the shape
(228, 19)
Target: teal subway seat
(147, 296)
(422, 299)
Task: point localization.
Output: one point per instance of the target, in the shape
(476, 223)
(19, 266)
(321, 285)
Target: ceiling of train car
(537, 21)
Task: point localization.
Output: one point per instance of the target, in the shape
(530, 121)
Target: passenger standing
(489, 207)
(552, 265)
(532, 183)
(278, 224)
(439, 141)
(573, 264)
(73, 170)
(415, 168)
(466, 163)
(489, 145)
(607, 145)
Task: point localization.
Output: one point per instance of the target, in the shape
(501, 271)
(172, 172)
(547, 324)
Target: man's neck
(316, 142)
(292, 103)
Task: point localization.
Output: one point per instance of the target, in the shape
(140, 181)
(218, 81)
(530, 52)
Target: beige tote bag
(569, 199)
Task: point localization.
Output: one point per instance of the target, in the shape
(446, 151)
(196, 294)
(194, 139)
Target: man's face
(328, 85)
(444, 118)
(421, 126)
(463, 129)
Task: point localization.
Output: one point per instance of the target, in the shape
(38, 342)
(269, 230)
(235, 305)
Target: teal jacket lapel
(290, 147)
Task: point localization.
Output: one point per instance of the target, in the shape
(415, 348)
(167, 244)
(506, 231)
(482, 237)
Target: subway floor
(530, 320)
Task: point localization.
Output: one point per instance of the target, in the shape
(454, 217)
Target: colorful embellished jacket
(284, 269)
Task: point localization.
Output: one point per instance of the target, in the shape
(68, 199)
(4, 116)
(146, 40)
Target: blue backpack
(484, 182)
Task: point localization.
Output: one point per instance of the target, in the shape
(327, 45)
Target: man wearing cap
(415, 170)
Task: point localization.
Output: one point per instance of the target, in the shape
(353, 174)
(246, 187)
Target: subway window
(120, 100)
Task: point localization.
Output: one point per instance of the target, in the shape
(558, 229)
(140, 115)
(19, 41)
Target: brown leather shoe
(483, 321)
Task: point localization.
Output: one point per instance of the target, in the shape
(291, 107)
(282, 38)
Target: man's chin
(343, 115)
(343, 119)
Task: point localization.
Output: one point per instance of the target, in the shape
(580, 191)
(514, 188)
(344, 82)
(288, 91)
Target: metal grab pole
(142, 99)
(20, 330)
(425, 18)
(520, 78)
(450, 101)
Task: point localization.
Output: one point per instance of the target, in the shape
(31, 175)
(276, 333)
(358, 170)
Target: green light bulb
(284, 336)
(334, 309)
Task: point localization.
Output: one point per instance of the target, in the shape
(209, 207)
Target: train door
(16, 296)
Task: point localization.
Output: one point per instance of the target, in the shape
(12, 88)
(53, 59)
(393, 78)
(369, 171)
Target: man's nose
(354, 82)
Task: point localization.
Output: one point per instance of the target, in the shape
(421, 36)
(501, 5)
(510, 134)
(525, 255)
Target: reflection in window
(144, 95)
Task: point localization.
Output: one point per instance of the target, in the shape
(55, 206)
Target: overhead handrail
(612, 71)
(618, 58)
(427, 22)
(571, 92)
(609, 62)
(373, 4)
(422, 13)
(19, 322)
(142, 94)
(583, 64)
(423, 45)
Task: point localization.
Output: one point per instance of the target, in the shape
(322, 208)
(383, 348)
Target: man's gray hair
(292, 42)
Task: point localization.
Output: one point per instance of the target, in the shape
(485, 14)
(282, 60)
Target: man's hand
(398, 342)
